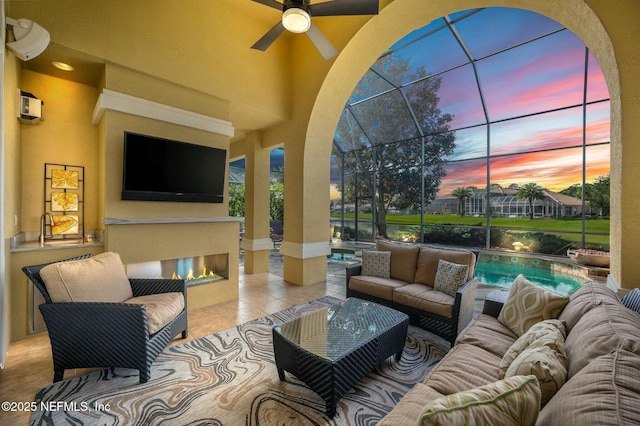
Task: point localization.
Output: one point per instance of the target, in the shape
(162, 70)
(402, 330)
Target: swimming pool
(502, 269)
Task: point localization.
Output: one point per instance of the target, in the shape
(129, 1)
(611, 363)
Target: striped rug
(229, 378)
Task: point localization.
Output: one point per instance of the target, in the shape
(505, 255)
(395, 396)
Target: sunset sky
(547, 74)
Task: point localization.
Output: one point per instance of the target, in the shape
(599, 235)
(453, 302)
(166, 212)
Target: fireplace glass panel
(196, 270)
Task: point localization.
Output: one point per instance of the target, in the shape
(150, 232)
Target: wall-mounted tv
(157, 169)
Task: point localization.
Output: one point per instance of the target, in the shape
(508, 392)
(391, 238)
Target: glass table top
(334, 331)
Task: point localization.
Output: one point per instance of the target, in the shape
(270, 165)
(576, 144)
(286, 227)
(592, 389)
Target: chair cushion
(100, 278)
(375, 286)
(605, 393)
(600, 331)
(429, 258)
(487, 333)
(528, 304)
(450, 277)
(161, 308)
(425, 298)
(587, 297)
(464, 367)
(376, 263)
(513, 401)
(410, 407)
(404, 258)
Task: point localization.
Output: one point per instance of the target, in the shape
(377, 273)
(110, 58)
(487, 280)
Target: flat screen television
(157, 169)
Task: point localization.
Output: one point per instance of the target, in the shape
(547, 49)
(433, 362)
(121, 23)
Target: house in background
(185, 71)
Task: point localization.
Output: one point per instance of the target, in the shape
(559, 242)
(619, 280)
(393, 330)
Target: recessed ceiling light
(62, 66)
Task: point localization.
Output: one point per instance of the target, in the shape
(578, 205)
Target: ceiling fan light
(296, 20)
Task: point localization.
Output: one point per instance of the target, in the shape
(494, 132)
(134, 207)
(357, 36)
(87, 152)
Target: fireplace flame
(191, 276)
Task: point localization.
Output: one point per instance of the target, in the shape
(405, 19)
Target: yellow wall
(65, 136)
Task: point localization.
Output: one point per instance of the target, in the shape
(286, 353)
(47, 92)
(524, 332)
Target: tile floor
(29, 367)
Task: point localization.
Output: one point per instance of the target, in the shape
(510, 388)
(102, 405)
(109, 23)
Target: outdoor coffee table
(333, 348)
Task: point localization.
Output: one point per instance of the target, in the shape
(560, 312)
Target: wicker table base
(334, 348)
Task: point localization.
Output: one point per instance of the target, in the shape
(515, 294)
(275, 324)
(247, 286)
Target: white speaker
(30, 38)
(30, 108)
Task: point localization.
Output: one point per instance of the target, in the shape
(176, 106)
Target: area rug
(230, 378)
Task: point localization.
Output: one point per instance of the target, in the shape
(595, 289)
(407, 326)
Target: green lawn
(553, 225)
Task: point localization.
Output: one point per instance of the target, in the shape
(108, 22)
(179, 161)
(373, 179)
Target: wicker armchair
(98, 334)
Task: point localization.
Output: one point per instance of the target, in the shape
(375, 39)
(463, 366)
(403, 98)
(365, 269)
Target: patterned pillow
(528, 304)
(449, 277)
(376, 263)
(550, 333)
(549, 367)
(513, 401)
(632, 300)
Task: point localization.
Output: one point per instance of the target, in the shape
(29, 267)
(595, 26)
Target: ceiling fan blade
(345, 7)
(321, 43)
(271, 3)
(269, 37)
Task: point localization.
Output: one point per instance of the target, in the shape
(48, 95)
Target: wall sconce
(30, 38)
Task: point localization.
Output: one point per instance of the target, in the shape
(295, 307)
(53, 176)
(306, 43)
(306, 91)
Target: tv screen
(157, 169)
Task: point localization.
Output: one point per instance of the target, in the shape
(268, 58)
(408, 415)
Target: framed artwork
(64, 202)
(64, 224)
(64, 199)
(64, 179)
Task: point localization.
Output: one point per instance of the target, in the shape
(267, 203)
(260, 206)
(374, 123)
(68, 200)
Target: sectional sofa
(535, 359)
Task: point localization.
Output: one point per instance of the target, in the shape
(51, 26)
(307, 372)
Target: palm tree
(461, 194)
(530, 192)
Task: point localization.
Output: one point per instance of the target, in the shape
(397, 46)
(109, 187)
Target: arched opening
(403, 16)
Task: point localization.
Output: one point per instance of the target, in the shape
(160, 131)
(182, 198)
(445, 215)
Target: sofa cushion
(428, 263)
(450, 277)
(404, 258)
(513, 401)
(550, 333)
(100, 278)
(161, 308)
(588, 296)
(549, 367)
(602, 330)
(528, 304)
(376, 263)
(424, 298)
(487, 333)
(375, 286)
(605, 393)
(464, 367)
(408, 410)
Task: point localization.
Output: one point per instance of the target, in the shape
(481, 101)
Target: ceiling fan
(296, 17)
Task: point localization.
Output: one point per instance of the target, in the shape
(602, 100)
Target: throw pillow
(376, 263)
(513, 401)
(528, 304)
(100, 278)
(632, 300)
(449, 277)
(549, 367)
(549, 333)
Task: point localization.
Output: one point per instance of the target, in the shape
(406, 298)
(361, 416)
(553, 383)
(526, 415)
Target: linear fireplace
(195, 270)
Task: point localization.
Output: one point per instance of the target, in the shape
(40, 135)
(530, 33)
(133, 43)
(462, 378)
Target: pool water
(503, 275)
